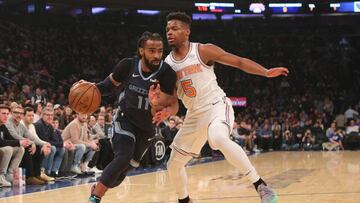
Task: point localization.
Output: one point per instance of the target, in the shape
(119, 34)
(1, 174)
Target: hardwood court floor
(296, 176)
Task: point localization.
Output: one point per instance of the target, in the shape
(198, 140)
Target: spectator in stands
(335, 137)
(288, 140)
(62, 100)
(179, 124)
(58, 112)
(297, 134)
(328, 106)
(277, 135)
(319, 133)
(331, 130)
(249, 142)
(49, 105)
(68, 116)
(94, 130)
(38, 97)
(67, 146)
(308, 140)
(350, 113)
(235, 135)
(106, 128)
(102, 157)
(28, 121)
(11, 150)
(46, 132)
(352, 140)
(352, 129)
(33, 156)
(266, 137)
(108, 119)
(169, 133)
(38, 111)
(340, 121)
(24, 97)
(246, 131)
(77, 133)
(106, 153)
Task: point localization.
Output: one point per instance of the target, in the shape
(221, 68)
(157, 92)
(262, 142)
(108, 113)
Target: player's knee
(121, 161)
(218, 135)
(215, 141)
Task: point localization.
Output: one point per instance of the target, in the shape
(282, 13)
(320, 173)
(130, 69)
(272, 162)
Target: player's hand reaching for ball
(82, 81)
(277, 71)
(154, 95)
(161, 115)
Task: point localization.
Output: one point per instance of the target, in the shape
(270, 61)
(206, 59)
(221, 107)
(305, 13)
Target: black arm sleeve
(106, 86)
(119, 74)
(122, 69)
(167, 80)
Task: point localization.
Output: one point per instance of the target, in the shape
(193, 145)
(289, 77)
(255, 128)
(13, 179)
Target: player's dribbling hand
(277, 71)
(81, 81)
(161, 116)
(154, 95)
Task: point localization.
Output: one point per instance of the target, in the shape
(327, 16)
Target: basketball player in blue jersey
(132, 125)
(210, 115)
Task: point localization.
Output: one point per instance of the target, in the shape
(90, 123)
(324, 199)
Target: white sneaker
(84, 167)
(95, 170)
(266, 194)
(9, 177)
(76, 170)
(4, 182)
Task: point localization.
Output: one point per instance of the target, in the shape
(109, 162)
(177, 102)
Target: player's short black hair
(181, 16)
(148, 36)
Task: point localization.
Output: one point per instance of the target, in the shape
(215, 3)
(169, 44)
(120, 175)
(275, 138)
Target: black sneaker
(55, 175)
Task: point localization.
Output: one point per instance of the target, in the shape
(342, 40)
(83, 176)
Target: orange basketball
(84, 97)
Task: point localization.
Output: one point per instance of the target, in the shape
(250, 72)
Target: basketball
(84, 97)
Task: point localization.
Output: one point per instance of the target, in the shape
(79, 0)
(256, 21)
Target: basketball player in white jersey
(210, 115)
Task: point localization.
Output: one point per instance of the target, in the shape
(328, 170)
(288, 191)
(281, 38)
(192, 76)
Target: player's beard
(151, 66)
